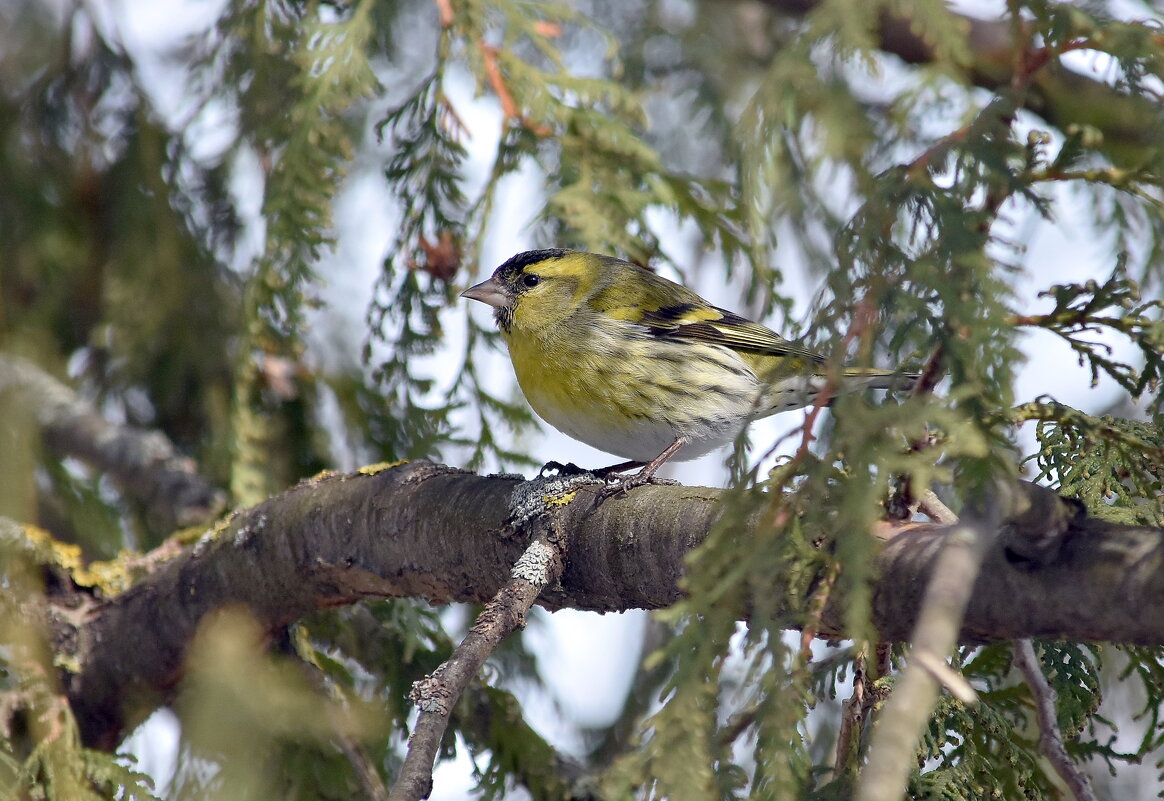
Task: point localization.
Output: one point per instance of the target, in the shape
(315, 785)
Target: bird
(630, 363)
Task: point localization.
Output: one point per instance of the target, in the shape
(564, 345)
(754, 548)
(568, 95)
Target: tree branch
(1130, 124)
(426, 531)
(540, 564)
(145, 464)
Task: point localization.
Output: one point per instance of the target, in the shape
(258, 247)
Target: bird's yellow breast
(623, 393)
(569, 385)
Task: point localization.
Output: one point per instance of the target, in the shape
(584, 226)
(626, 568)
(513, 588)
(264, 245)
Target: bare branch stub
(540, 565)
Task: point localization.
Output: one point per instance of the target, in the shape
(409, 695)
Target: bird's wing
(700, 323)
(672, 311)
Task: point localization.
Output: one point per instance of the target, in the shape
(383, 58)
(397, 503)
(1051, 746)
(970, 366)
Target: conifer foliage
(171, 231)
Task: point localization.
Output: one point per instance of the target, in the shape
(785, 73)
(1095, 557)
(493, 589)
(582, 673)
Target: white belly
(642, 440)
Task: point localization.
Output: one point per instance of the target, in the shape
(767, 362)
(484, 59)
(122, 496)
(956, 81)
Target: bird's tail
(858, 378)
(796, 392)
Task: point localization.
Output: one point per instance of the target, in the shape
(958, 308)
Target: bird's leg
(621, 467)
(648, 471)
(647, 474)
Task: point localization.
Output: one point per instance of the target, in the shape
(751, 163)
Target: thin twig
(931, 506)
(436, 695)
(365, 771)
(509, 107)
(816, 608)
(931, 373)
(852, 720)
(1050, 738)
(737, 724)
(618, 738)
(493, 71)
(366, 775)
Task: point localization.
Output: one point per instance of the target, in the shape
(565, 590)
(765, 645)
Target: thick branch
(431, 532)
(1053, 573)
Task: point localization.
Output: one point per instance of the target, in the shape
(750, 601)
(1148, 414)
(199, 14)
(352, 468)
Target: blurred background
(246, 225)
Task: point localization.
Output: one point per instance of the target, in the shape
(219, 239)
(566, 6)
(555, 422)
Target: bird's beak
(490, 292)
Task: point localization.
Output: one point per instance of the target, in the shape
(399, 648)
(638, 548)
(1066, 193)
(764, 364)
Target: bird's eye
(529, 280)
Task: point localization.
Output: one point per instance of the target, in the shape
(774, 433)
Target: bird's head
(538, 288)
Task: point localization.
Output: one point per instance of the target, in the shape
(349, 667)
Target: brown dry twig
(509, 108)
(493, 71)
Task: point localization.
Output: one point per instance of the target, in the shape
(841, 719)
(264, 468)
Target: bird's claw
(616, 486)
(616, 482)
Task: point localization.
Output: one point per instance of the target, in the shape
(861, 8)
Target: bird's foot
(616, 485)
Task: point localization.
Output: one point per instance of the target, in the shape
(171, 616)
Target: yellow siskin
(641, 367)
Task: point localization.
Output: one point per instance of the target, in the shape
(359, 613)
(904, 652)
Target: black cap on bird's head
(501, 289)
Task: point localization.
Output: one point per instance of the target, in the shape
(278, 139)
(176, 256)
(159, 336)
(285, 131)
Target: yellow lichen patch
(117, 575)
(559, 500)
(51, 551)
(221, 526)
(68, 662)
(190, 535)
(109, 577)
(380, 467)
